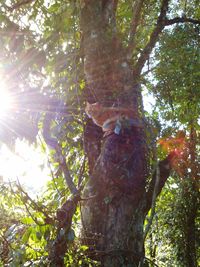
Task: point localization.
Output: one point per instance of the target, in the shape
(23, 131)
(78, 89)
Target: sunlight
(27, 164)
(5, 99)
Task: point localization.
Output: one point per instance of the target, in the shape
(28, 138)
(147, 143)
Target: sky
(27, 164)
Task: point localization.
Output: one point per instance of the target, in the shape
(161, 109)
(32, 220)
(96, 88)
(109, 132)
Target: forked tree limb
(153, 38)
(161, 23)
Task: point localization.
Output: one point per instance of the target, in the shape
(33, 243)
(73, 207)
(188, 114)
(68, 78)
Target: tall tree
(178, 51)
(94, 51)
(118, 184)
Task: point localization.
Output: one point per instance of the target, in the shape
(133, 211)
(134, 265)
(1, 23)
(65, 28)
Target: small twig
(35, 206)
(27, 209)
(148, 71)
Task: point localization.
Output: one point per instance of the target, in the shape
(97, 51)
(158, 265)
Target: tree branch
(159, 178)
(153, 203)
(65, 214)
(60, 245)
(137, 8)
(153, 38)
(181, 20)
(162, 21)
(53, 143)
(66, 173)
(34, 205)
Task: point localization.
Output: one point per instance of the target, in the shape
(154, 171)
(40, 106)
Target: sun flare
(5, 99)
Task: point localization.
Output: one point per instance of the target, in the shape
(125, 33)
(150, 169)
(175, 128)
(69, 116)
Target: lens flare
(180, 146)
(5, 100)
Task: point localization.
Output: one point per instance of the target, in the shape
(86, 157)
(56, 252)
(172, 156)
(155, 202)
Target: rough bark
(116, 201)
(107, 70)
(112, 216)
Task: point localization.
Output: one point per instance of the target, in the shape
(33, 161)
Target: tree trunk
(116, 202)
(190, 193)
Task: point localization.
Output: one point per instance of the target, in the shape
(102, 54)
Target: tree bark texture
(116, 201)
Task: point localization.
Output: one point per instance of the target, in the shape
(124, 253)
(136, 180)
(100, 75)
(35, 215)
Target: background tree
(56, 56)
(179, 51)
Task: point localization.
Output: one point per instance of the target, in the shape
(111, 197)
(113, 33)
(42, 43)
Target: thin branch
(34, 204)
(53, 143)
(30, 214)
(25, 198)
(162, 22)
(60, 246)
(49, 165)
(153, 204)
(32, 217)
(181, 20)
(153, 38)
(137, 10)
(81, 172)
(67, 175)
(148, 71)
(64, 215)
(163, 171)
